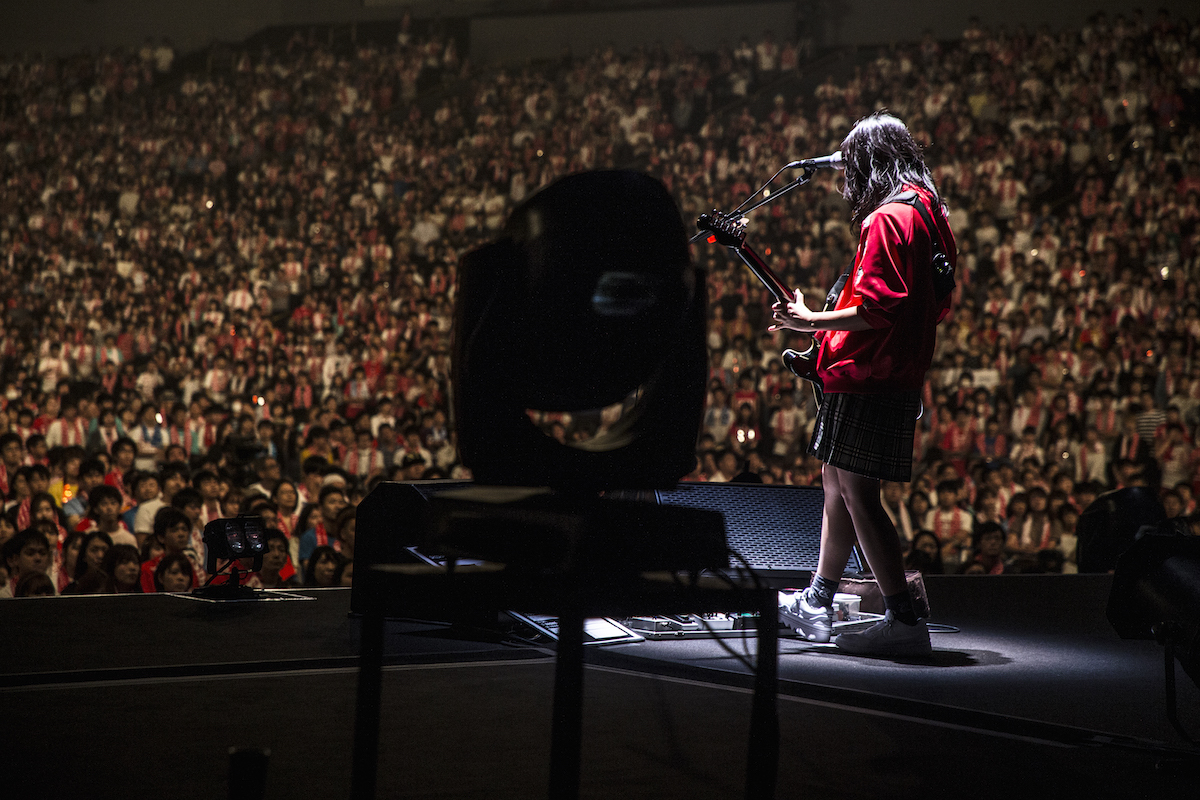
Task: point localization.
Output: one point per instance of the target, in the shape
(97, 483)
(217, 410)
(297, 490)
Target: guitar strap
(943, 270)
(832, 298)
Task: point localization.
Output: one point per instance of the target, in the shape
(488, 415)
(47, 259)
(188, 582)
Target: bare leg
(876, 534)
(837, 527)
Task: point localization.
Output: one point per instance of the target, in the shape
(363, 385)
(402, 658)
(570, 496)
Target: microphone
(831, 161)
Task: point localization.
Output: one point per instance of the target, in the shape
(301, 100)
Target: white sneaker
(888, 637)
(813, 622)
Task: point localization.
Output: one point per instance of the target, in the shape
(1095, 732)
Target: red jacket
(892, 283)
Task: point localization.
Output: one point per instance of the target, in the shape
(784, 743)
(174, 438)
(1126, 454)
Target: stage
(142, 696)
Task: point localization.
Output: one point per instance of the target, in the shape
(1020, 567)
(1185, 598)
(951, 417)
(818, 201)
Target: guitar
(729, 230)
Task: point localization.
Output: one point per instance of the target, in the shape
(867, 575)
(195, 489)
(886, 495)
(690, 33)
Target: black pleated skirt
(868, 434)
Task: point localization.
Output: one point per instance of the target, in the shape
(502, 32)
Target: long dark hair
(168, 561)
(880, 158)
(119, 554)
(310, 570)
(81, 565)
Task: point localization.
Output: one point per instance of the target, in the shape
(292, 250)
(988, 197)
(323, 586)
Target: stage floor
(143, 696)
(1028, 647)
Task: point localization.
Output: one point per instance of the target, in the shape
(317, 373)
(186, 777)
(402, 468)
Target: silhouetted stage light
(1112, 523)
(588, 302)
(1156, 595)
(589, 299)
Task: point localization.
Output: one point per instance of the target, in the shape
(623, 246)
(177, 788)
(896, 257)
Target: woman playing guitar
(876, 343)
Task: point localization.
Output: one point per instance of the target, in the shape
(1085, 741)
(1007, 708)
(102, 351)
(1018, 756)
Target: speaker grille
(773, 527)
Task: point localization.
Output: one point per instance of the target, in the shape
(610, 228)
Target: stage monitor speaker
(388, 525)
(1112, 523)
(777, 529)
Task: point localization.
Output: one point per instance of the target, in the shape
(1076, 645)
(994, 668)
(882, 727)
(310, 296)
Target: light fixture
(1156, 595)
(228, 543)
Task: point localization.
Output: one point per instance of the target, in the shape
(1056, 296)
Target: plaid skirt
(868, 434)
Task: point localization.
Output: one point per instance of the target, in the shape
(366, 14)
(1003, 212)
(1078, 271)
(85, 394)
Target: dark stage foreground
(142, 697)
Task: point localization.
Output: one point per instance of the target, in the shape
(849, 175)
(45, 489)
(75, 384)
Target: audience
(232, 289)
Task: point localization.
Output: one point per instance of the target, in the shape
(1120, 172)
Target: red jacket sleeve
(882, 285)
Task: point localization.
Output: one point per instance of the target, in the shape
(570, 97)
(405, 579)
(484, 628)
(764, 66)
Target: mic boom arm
(804, 178)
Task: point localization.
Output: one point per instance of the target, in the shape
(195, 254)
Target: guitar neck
(764, 273)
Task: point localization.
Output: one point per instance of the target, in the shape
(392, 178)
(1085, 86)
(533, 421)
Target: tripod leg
(762, 762)
(366, 715)
(566, 734)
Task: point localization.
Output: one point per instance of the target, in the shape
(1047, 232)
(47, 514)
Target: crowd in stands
(1070, 167)
(231, 290)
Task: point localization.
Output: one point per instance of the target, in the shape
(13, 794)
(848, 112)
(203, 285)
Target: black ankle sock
(823, 590)
(900, 604)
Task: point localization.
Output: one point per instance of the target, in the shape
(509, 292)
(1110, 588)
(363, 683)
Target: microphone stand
(804, 178)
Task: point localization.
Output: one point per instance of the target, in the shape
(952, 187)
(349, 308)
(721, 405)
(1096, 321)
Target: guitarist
(875, 346)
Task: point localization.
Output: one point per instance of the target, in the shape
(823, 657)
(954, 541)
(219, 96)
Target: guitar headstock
(726, 229)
